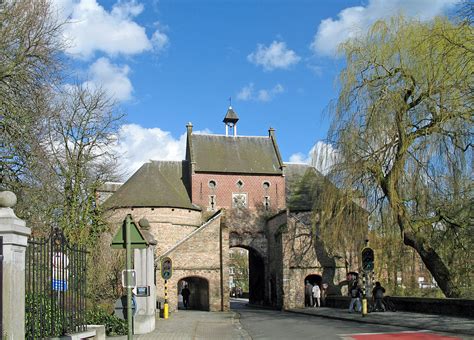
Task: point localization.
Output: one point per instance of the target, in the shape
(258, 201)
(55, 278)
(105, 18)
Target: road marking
(408, 335)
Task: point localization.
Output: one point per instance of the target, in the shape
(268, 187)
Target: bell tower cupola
(230, 121)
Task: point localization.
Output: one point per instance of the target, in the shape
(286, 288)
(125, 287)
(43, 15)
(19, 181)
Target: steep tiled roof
(155, 184)
(235, 154)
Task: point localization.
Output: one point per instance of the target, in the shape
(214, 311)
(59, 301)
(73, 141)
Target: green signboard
(136, 238)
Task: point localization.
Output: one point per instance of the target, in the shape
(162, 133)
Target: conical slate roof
(155, 184)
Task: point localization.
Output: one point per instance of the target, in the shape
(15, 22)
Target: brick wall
(226, 185)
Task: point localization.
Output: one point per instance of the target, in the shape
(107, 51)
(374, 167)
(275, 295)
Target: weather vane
(230, 101)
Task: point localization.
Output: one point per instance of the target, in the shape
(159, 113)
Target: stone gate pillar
(144, 264)
(15, 239)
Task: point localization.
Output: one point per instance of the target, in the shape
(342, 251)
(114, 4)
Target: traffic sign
(166, 268)
(129, 278)
(137, 240)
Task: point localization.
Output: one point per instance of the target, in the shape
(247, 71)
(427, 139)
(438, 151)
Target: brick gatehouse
(230, 191)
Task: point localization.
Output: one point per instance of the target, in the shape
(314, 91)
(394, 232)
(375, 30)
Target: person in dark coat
(185, 293)
(377, 294)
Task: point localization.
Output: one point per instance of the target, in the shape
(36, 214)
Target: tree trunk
(435, 265)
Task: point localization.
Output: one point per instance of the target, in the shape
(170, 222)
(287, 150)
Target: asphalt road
(270, 324)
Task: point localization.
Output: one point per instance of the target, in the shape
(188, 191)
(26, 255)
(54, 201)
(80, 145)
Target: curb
(243, 332)
(377, 322)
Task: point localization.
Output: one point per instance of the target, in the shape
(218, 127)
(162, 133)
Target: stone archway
(256, 273)
(199, 288)
(314, 279)
(246, 230)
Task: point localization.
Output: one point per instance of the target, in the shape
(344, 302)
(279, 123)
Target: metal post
(128, 267)
(165, 307)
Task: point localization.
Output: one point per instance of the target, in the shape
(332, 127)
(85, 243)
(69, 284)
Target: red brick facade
(260, 189)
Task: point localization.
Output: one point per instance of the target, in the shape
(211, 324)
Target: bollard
(364, 306)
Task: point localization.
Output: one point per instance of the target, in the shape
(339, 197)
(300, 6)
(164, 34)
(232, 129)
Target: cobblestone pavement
(195, 325)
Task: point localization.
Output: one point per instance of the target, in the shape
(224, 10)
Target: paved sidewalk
(195, 325)
(439, 323)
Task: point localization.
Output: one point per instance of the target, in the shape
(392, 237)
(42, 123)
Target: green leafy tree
(402, 125)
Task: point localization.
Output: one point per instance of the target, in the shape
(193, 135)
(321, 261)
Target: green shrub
(113, 325)
(41, 320)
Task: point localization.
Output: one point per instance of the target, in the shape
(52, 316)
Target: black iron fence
(55, 287)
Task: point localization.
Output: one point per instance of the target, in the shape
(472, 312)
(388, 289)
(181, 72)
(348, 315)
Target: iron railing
(55, 287)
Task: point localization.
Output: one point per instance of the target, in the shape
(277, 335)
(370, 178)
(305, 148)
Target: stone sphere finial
(7, 199)
(144, 224)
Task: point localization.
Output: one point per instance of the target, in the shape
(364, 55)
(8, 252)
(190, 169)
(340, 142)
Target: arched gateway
(230, 191)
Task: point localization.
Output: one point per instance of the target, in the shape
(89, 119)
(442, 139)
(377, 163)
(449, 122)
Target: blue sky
(170, 62)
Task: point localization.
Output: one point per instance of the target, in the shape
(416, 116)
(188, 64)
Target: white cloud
(113, 79)
(274, 56)
(248, 93)
(159, 40)
(322, 156)
(137, 145)
(353, 21)
(92, 28)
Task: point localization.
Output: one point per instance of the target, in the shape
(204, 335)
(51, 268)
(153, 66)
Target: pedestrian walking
(185, 292)
(316, 296)
(377, 294)
(308, 294)
(355, 294)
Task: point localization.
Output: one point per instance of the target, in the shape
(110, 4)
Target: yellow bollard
(364, 307)
(165, 311)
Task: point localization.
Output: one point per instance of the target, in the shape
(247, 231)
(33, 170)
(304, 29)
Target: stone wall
(203, 254)
(226, 185)
(167, 225)
(454, 307)
(275, 227)
(299, 260)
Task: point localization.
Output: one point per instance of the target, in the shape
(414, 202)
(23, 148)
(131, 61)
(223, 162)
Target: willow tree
(402, 125)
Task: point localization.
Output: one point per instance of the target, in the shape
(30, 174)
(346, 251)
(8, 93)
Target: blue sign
(60, 285)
